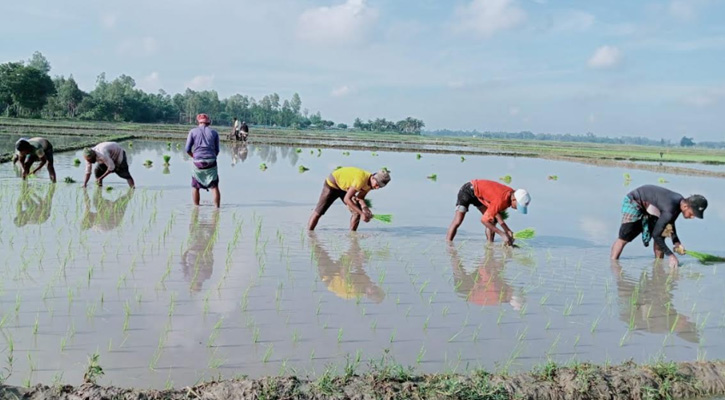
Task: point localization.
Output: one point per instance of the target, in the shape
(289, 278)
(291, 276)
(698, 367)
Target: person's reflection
(647, 304)
(109, 213)
(346, 276)
(198, 259)
(240, 152)
(485, 285)
(33, 208)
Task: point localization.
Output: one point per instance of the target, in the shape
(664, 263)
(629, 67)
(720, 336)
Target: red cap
(203, 119)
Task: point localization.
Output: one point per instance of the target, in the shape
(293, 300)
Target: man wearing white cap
(490, 198)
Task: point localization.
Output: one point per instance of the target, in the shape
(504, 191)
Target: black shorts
(466, 198)
(121, 169)
(628, 231)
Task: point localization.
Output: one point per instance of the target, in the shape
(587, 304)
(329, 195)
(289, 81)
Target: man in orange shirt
(490, 198)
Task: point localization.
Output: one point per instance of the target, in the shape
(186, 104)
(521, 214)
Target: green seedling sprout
(552, 177)
(263, 166)
(302, 169)
(505, 179)
(704, 257)
(663, 180)
(148, 163)
(68, 179)
(298, 150)
(76, 162)
(463, 159)
(418, 156)
(345, 153)
(167, 158)
(109, 188)
(524, 234)
(433, 177)
(93, 370)
(374, 154)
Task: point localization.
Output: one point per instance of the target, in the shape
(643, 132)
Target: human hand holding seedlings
(679, 249)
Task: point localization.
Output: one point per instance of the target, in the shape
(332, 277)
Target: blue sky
(649, 68)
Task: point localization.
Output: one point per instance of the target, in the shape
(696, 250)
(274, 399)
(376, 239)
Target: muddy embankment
(581, 381)
(414, 145)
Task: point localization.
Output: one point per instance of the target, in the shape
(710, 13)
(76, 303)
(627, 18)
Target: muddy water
(167, 293)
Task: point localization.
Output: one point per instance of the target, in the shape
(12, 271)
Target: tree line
(27, 90)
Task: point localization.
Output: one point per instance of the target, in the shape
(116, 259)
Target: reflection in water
(239, 151)
(647, 304)
(109, 213)
(32, 208)
(198, 259)
(486, 285)
(346, 276)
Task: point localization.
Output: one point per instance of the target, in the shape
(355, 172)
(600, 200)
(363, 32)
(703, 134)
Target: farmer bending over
(490, 198)
(652, 210)
(28, 151)
(111, 158)
(351, 185)
(202, 145)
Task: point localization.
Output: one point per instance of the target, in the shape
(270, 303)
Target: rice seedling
(704, 257)
(421, 354)
(663, 180)
(76, 162)
(552, 178)
(68, 179)
(433, 177)
(595, 323)
(298, 150)
(374, 154)
(345, 153)
(167, 158)
(148, 163)
(418, 156)
(339, 335)
(302, 169)
(463, 159)
(505, 179)
(525, 234)
(392, 335)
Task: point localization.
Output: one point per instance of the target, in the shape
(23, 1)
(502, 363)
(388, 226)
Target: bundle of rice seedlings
(432, 177)
(368, 203)
(298, 150)
(704, 257)
(302, 169)
(553, 178)
(167, 158)
(387, 218)
(148, 163)
(506, 179)
(524, 234)
(68, 179)
(77, 162)
(418, 156)
(504, 215)
(263, 166)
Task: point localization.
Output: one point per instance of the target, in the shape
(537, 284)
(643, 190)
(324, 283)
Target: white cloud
(345, 23)
(605, 57)
(201, 82)
(486, 17)
(150, 83)
(145, 46)
(706, 98)
(683, 10)
(342, 91)
(108, 21)
(573, 20)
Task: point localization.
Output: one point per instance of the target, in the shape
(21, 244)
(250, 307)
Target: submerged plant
(505, 179)
(263, 166)
(433, 177)
(167, 158)
(68, 179)
(302, 168)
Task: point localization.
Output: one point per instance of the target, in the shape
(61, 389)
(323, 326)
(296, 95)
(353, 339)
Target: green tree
(687, 142)
(39, 62)
(24, 89)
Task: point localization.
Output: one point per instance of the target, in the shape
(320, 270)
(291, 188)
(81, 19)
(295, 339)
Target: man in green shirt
(28, 151)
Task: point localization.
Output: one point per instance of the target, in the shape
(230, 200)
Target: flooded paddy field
(167, 293)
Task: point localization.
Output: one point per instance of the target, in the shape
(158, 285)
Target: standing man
(237, 128)
(111, 158)
(490, 198)
(350, 184)
(245, 131)
(202, 145)
(652, 210)
(28, 151)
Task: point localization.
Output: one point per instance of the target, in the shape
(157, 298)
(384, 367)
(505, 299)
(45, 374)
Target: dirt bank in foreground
(581, 381)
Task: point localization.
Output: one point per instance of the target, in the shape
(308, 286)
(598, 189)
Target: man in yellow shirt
(350, 184)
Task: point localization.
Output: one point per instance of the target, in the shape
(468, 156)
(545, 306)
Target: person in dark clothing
(651, 211)
(28, 151)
